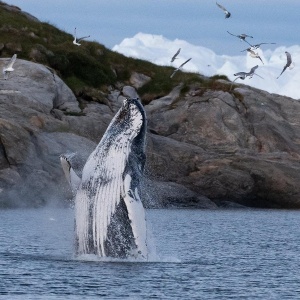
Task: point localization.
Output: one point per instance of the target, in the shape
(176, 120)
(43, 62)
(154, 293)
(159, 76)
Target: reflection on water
(201, 254)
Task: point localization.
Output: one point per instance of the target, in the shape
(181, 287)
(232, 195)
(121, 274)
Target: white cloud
(159, 50)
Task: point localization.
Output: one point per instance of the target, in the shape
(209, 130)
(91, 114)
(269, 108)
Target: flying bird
(254, 47)
(243, 75)
(226, 12)
(175, 55)
(242, 37)
(9, 67)
(76, 40)
(288, 62)
(176, 70)
(254, 54)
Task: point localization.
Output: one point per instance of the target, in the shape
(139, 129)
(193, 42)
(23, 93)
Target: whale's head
(131, 118)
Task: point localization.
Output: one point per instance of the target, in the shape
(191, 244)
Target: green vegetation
(91, 65)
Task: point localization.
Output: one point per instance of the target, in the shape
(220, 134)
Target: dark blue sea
(200, 254)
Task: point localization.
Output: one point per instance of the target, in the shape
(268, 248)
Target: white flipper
(73, 179)
(136, 214)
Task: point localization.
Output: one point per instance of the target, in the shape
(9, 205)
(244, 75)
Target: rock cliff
(206, 145)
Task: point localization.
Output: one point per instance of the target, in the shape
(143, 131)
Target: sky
(155, 29)
(199, 22)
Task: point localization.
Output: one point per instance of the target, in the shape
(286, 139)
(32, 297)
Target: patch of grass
(75, 84)
(215, 84)
(216, 77)
(159, 86)
(91, 65)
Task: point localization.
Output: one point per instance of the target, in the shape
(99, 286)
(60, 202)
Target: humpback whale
(109, 215)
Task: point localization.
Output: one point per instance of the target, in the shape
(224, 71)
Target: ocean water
(200, 254)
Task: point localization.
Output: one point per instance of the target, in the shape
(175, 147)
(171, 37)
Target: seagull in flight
(288, 63)
(254, 54)
(175, 55)
(243, 75)
(76, 40)
(242, 37)
(226, 12)
(9, 67)
(254, 47)
(176, 70)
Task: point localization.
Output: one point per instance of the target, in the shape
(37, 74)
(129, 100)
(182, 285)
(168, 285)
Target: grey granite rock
(37, 87)
(205, 148)
(250, 152)
(137, 80)
(129, 91)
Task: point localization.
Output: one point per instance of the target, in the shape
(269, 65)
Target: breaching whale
(109, 215)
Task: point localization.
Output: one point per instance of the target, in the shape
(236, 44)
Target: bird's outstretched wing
(288, 62)
(82, 38)
(232, 34)
(258, 75)
(247, 49)
(79, 39)
(260, 59)
(184, 63)
(175, 55)
(11, 62)
(288, 58)
(174, 72)
(252, 70)
(258, 45)
(222, 7)
(247, 42)
(227, 13)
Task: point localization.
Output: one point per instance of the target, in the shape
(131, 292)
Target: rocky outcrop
(17, 10)
(241, 146)
(206, 148)
(31, 136)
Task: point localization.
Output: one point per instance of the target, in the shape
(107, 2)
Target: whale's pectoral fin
(73, 179)
(136, 215)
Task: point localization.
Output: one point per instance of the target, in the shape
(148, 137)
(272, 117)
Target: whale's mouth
(131, 105)
(131, 117)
